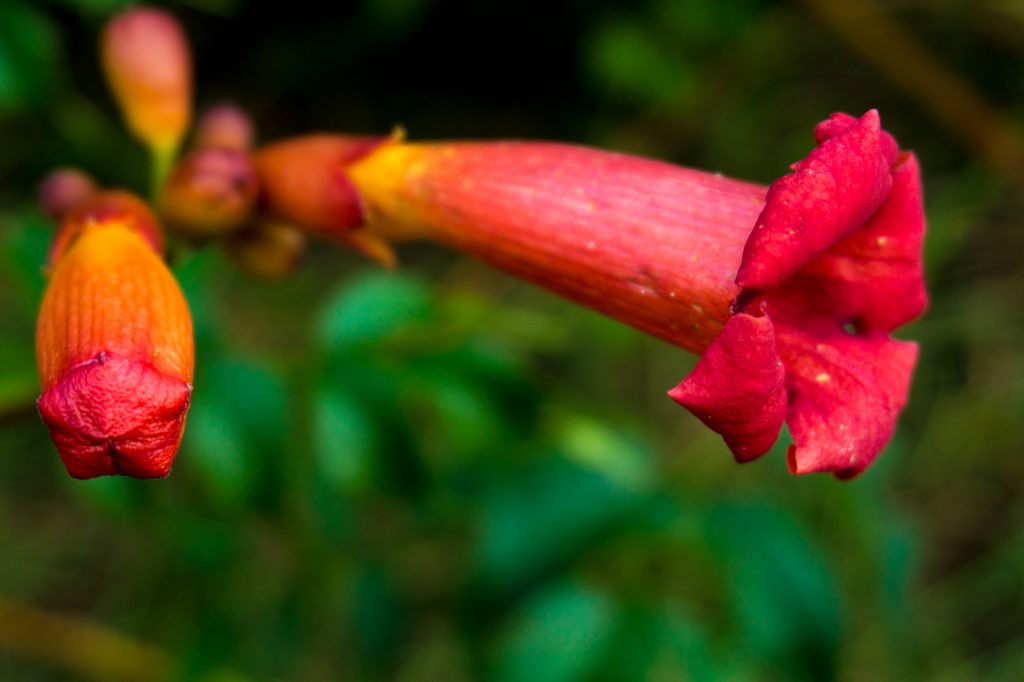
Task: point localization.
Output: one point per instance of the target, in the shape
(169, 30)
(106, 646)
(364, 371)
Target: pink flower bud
(211, 192)
(226, 126)
(147, 63)
(62, 189)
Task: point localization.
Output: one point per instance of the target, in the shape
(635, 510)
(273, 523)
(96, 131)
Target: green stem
(161, 162)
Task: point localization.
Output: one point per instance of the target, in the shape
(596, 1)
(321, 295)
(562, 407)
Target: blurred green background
(443, 474)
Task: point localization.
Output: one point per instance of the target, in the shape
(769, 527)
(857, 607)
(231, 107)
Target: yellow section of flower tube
(383, 178)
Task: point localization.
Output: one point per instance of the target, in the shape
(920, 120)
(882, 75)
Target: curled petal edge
(833, 264)
(839, 396)
(828, 195)
(845, 396)
(738, 387)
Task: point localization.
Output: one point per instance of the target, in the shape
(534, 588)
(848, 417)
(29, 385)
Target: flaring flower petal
(873, 279)
(844, 396)
(835, 263)
(830, 193)
(738, 387)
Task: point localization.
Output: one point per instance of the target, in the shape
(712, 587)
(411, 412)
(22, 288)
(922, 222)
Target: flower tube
(788, 292)
(113, 343)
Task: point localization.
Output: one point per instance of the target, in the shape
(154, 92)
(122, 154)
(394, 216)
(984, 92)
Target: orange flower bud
(114, 345)
(211, 192)
(270, 248)
(147, 63)
(225, 125)
(305, 181)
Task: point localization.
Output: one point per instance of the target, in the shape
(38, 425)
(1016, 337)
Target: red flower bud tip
(269, 248)
(226, 126)
(63, 189)
(304, 182)
(212, 191)
(766, 283)
(147, 63)
(114, 346)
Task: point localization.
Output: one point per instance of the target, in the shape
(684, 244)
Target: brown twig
(911, 66)
(91, 650)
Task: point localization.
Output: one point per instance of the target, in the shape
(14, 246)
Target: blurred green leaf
(112, 495)
(24, 242)
(368, 310)
(200, 543)
(463, 418)
(536, 518)
(28, 55)
(379, 613)
(236, 431)
(590, 442)
(630, 61)
(700, 25)
(201, 276)
(782, 593)
(20, 387)
(97, 7)
(558, 635)
(345, 440)
(393, 18)
(652, 644)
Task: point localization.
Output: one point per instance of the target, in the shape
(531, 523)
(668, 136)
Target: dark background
(443, 474)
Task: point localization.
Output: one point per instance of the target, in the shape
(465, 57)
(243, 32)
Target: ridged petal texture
(650, 244)
(115, 353)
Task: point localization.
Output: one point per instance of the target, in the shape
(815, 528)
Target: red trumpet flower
(789, 291)
(832, 266)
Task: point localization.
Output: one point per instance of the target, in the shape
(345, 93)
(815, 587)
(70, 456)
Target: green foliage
(439, 474)
(28, 52)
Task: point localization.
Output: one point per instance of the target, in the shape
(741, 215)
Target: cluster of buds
(211, 196)
(789, 293)
(114, 337)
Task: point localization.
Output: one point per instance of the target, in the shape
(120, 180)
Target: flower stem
(161, 161)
